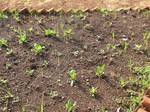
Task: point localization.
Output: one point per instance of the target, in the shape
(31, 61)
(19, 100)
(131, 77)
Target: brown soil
(84, 52)
(72, 4)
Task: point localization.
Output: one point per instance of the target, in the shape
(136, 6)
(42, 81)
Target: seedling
(100, 70)
(93, 91)
(30, 72)
(137, 47)
(8, 66)
(50, 32)
(125, 45)
(123, 83)
(45, 63)
(68, 33)
(53, 94)
(16, 16)
(9, 52)
(3, 16)
(104, 12)
(22, 38)
(80, 14)
(38, 49)
(73, 76)
(70, 106)
(146, 40)
(3, 43)
(113, 35)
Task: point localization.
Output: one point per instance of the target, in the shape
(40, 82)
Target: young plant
(9, 52)
(137, 47)
(125, 45)
(93, 91)
(104, 12)
(113, 35)
(30, 72)
(68, 33)
(50, 32)
(73, 76)
(3, 16)
(3, 42)
(123, 83)
(100, 70)
(22, 38)
(70, 106)
(16, 16)
(146, 40)
(38, 49)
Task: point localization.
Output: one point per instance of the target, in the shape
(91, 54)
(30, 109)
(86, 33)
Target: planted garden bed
(87, 62)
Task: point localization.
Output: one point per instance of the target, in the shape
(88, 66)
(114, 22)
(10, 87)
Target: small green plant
(125, 45)
(53, 94)
(73, 76)
(146, 40)
(113, 35)
(68, 33)
(9, 52)
(93, 91)
(70, 106)
(3, 16)
(22, 38)
(30, 72)
(104, 12)
(3, 42)
(38, 49)
(50, 32)
(123, 83)
(8, 66)
(16, 16)
(45, 63)
(138, 47)
(111, 47)
(100, 70)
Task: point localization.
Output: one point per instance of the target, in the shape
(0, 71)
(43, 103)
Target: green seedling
(138, 47)
(100, 70)
(53, 94)
(45, 63)
(104, 12)
(8, 66)
(16, 16)
(68, 33)
(30, 72)
(3, 42)
(70, 106)
(80, 14)
(38, 49)
(146, 40)
(93, 91)
(125, 45)
(9, 52)
(123, 83)
(3, 16)
(113, 35)
(73, 76)
(111, 47)
(22, 38)
(3, 81)
(130, 64)
(50, 32)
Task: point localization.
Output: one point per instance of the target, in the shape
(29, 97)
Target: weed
(30, 72)
(123, 83)
(111, 47)
(68, 33)
(146, 40)
(22, 38)
(16, 16)
(93, 91)
(138, 47)
(100, 70)
(113, 35)
(73, 76)
(104, 12)
(3, 42)
(130, 64)
(8, 66)
(53, 94)
(70, 106)
(125, 45)
(38, 49)
(3, 16)
(9, 52)
(88, 27)
(50, 32)
(80, 15)
(45, 63)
